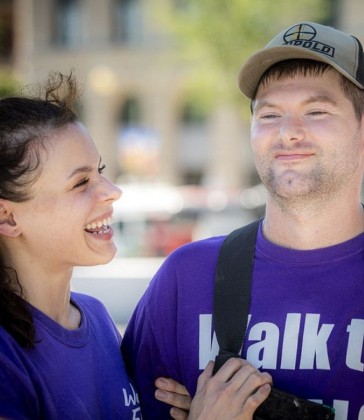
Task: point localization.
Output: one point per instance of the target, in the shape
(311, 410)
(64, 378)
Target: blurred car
(152, 221)
(149, 223)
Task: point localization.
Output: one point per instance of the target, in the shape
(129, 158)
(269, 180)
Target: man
(306, 324)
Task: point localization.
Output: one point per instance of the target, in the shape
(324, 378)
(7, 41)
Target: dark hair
(311, 67)
(25, 124)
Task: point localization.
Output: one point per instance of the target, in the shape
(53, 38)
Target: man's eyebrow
(321, 98)
(256, 105)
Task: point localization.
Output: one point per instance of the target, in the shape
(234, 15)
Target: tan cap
(310, 41)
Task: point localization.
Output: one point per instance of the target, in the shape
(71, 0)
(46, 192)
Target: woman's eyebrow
(83, 169)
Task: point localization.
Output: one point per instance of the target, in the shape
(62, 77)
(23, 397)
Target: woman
(59, 350)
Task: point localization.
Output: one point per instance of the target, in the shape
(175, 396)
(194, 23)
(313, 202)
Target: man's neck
(312, 228)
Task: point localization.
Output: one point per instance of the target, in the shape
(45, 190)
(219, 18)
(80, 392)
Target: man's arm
(150, 338)
(142, 360)
(236, 391)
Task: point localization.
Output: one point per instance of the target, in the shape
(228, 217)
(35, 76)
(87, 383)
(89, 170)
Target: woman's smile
(100, 228)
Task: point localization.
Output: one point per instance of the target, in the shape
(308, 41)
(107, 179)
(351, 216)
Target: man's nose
(291, 128)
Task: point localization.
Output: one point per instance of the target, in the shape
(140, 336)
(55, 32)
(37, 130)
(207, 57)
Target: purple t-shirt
(76, 374)
(306, 323)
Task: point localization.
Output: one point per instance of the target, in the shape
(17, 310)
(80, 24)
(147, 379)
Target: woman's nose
(111, 191)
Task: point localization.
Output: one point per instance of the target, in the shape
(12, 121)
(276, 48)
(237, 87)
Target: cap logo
(303, 35)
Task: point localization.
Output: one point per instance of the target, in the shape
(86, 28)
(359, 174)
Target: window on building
(193, 114)
(6, 30)
(127, 21)
(139, 145)
(68, 23)
(193, 148)
(130, 112)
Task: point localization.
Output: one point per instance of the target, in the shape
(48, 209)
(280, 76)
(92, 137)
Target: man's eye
(268, 116)
(101, 169)
(84, 181)
(318, 112)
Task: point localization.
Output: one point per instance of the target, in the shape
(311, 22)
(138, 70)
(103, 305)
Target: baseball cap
(307, 40)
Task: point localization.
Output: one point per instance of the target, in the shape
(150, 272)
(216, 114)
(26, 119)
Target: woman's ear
(8, 225)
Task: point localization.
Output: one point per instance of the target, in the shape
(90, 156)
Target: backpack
(230, 315)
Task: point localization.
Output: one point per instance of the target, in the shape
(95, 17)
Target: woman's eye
(101, 169)
(84, 181)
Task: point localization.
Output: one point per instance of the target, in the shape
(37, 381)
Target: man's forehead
(295, 77)
(317, 69)
(310, 88)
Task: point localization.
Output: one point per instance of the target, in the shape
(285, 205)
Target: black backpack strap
(232, 291)
(230, 318)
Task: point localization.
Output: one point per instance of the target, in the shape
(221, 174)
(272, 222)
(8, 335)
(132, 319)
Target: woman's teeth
(98, 224)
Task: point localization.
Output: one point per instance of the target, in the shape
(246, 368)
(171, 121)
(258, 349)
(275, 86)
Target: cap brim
(251, 72)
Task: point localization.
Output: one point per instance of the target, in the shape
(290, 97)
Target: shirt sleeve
(18, 398)
(149, 346)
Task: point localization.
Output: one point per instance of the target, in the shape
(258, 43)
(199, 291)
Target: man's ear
(8, 225)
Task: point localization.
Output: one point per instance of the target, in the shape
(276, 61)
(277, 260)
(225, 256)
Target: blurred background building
(137, 100)
(160, 99)
(161, 102)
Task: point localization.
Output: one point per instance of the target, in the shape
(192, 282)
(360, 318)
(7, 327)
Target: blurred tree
(8, 85)
(220, 34)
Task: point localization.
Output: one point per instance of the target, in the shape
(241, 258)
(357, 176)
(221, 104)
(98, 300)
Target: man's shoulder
(197, 258)
(204, 247)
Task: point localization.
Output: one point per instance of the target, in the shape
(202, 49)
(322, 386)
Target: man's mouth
(99, 226)
(293, 156)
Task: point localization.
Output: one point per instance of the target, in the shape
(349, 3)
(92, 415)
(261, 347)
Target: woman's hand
(174, 394)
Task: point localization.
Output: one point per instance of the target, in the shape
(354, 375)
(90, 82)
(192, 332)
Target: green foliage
(8, 85)
(219, 35)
